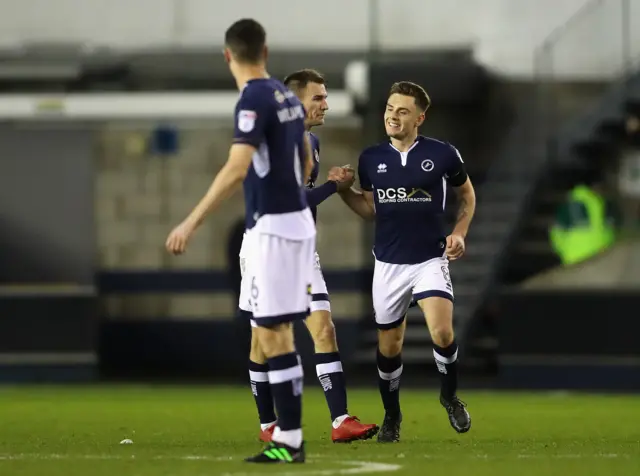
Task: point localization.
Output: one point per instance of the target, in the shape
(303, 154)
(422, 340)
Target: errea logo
(382, 168)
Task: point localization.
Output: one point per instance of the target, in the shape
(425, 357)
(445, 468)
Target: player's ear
(227, 55)
(265, 52)
(420, 120)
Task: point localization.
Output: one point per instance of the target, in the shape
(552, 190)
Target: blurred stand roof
(71, 67)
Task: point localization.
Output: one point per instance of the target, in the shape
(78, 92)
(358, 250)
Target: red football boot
(351, 430)
(267, 433)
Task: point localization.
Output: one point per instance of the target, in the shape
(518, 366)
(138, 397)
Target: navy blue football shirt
(315, 151)
(317, 195)
(409, 190)
(271, 118)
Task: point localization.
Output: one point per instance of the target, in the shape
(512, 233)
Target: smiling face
(402, 116)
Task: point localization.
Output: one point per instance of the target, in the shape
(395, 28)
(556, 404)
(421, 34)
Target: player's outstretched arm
(225, 183)
(317, 195)
(338, 179)
(360, 201)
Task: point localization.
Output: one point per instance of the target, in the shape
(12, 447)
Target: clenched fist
(178, 238)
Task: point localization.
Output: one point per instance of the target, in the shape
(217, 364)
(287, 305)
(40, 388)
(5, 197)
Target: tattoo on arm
(463, 208)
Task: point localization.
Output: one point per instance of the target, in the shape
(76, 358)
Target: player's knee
(390, 341)
(276, 340)
(442, 336)
(255, 353)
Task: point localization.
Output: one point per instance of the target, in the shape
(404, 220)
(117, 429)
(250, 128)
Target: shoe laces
(457, 402)
(457, 407)
(391, 423)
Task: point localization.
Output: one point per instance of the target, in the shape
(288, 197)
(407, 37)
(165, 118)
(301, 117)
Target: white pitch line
(576, 456)
(357, 467)
(35, 456)
(360, 467)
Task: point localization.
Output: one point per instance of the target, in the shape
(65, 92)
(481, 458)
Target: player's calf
(345, 428)
(446, 358)
(439, 315)
(261, 389)
(285, 378)
(389, 361)
(328, 364)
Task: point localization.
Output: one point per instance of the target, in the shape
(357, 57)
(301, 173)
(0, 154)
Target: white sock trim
(320, 306)
(390, 376)
(266, 426)
(258, 376)
(338, 421)
(445, 360)
(291, 438)
(330, 368)
(285, 375)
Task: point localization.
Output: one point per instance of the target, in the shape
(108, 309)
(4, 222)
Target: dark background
(526, 142)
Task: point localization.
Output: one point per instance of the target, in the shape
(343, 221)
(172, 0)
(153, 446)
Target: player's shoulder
(439, 148)
(436, 145)
(374, 151)
(266, 91)
(261, 85)
(315, 140)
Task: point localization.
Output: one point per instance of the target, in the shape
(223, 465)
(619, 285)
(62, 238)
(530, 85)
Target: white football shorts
(277, 274)
(395, 286)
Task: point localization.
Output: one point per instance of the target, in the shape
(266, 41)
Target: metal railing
(598, 46)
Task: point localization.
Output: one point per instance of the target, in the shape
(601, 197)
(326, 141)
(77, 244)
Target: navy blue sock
(389, 371)
(329, 370)
(259, 377)
(285, 377)
(447, 362)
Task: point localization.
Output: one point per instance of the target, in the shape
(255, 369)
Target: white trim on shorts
(319, 294)
(395, 286)
(277, 278)
(320, 300)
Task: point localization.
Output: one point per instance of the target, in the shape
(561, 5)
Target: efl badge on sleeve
(246, 120)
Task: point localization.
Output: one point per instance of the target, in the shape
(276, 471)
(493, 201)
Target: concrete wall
(616, 269)
(46, 217)
(140, 197)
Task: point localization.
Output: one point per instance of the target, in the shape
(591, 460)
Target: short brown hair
(417, 92)
(300, 79)
(246, 39)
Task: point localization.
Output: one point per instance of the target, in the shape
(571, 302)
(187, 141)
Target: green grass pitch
(200, 431)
